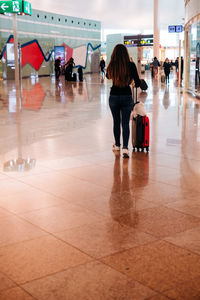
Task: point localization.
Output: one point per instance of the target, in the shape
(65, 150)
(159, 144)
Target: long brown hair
(118, 68)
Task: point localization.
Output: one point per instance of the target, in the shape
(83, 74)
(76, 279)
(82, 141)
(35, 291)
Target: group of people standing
(167, 66)
(68, 70)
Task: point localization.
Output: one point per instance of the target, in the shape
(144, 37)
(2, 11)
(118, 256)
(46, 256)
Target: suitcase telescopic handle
(136, 95)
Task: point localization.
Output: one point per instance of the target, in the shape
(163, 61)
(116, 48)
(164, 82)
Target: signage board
(175, 28)
(59, 51)
(138, 40)
(10, 56)
(179, 28)
(18, 6)
(26, 7)
(10, 7)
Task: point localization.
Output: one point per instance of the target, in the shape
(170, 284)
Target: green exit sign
(26, 7)
(18, 6)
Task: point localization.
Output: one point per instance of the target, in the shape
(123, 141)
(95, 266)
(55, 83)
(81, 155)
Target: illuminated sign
(175, 28)
(10, 54)
(138, 40)
(17, 7)
(60, 52)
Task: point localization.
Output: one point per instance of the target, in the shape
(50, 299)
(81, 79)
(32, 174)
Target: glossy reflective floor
(77, 221)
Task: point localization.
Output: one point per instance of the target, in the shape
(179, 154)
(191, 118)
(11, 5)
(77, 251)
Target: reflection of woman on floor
(122, 199)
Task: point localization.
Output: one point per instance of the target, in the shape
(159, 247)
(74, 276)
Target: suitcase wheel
(147, 149)
(142, 149)
(134, 149)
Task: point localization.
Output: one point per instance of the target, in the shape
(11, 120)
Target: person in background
(80, 73)
(122, 72)
(156, 64)
(102, 67)
(68, 70)
(167, 67)
(181, 67)
(57, 67)
(176, 64)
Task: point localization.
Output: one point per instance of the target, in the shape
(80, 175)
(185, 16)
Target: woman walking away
(156, 64)
(122, 72)
(167, 67)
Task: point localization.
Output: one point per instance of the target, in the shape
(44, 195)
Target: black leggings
(167, 77)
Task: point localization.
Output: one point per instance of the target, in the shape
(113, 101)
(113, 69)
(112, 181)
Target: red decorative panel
(32, 54)
(68, 52)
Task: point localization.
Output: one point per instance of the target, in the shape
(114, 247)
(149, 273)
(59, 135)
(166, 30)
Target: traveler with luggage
(167, 67)
(122, 72)
(156, 64)
(68, 69)
(58, 67)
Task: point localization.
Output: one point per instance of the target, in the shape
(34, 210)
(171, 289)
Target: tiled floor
(78, 222)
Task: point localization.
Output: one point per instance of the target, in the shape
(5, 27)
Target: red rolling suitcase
(145, 143)
(140, 132)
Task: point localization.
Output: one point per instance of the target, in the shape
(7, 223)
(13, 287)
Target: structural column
(156, 33)
(185, 65)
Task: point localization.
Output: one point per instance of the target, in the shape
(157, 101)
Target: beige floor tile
(63, 185)
(5, 283)
(94, 174)
(188, 206)
(158, 297)
(3, 176)
(37, 258)
(160, 193)
(163, 174)
(110, 205)
(102, 239)
(159, 265)
(186, 181)
(80, 191)
(12, 187)
(15, 294)
(99, 158)
(64, 163)
(91, 281)
(160, 221)
(37, 170)
(48, 181)
(62, 217)
(14, 229)
(186, 290)
(4, 213)
(166, 160)
(29, 200)
(189, 239)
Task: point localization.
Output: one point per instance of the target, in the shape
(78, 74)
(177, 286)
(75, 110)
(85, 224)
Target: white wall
(192, 10)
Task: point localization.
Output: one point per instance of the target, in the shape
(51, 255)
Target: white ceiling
(118, 15)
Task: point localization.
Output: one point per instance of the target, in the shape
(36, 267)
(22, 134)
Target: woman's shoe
(116, 148)
(125, 153)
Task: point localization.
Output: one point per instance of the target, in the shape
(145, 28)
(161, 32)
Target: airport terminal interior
(77, 220)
